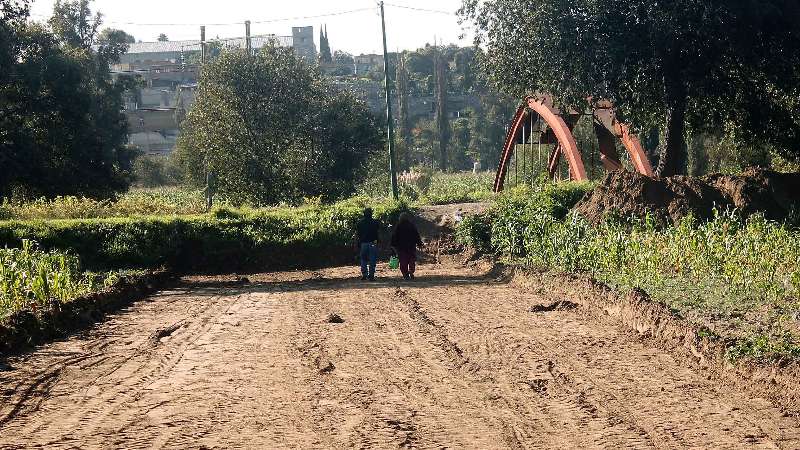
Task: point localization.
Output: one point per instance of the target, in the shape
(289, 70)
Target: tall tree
(112, 35)
(694, 64)
(163, 38)
(325, 56)
(73, 24)
(442, 112)
(61, 127)
(274, 130)
(403, 112)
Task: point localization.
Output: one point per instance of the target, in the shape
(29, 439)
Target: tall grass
(137, 202)
(424, 186)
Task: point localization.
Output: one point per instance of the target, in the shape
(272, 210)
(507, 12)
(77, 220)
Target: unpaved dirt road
(455, 360)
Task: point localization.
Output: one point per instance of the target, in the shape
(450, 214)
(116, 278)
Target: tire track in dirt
(104, 399)
(527, 409)
(453, 360)
(574, 372)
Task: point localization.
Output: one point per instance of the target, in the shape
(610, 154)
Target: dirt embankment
(25, 329)
(626, 194)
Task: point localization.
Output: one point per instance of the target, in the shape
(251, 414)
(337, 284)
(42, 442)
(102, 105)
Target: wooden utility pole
(249, 42)
(389, 116)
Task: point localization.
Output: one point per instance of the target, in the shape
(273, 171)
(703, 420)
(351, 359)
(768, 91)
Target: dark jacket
(368, 230)
(406, 237)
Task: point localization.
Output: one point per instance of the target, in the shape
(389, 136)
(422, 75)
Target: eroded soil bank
(625, 194)
(456, 360)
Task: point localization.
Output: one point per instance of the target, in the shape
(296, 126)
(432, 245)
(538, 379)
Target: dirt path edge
(25, 330)
(655, 322)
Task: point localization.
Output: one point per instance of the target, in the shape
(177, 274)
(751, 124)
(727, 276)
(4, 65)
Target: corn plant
(29, 278)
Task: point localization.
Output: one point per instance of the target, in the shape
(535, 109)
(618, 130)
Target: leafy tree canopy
(708, 64)
(272, 130)
(342, 57)
(61, 129)
(110, 35)
(163, 38)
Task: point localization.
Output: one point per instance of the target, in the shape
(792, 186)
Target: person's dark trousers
(408, 262)
(369, 259)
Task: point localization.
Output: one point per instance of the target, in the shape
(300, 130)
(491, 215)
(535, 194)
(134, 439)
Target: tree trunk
(674, 158)
(698, 157)
(442, 119)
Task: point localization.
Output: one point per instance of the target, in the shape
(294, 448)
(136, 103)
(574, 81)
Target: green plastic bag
(394, 263)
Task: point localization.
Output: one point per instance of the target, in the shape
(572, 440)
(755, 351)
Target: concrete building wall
(303, 43)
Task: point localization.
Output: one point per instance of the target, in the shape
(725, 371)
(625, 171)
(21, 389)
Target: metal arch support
(564, 135)
(608, 149)
(605, 118)
(566, 141)
(508, 148)
(634, 146)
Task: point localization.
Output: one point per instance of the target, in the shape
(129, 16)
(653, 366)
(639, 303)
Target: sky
(352, 31)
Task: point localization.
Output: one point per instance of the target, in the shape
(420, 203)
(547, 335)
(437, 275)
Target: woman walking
(405, 241)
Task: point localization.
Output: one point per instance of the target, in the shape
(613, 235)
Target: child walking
(405, 241)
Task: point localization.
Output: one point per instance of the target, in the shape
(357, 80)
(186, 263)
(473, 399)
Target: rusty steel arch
(607, 130)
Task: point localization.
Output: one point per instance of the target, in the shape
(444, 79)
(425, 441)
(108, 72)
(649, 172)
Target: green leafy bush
(448, 188)
(226, 240)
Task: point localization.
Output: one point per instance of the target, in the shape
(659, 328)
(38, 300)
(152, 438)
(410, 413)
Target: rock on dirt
(627, 194)
(335, 318)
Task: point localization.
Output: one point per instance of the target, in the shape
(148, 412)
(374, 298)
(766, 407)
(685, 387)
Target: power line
(433, 11)
(287, 19)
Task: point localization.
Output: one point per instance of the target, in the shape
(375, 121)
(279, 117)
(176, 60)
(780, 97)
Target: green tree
(343, 58)
(61, 126)
(462, 142)
(442, 111)
(73, 24)
(701, 65)
(404, 119)
(273, 130)
(112, 35)
(325, 56)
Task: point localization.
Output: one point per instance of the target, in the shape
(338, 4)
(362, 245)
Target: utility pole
(389, 116)
(249, 42)
(202, 44)
(210, 176)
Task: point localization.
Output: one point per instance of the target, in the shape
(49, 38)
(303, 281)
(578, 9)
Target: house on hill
(169, 71)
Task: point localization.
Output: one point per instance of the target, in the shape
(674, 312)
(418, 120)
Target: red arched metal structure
(607, 129)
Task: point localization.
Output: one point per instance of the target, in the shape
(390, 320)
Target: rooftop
(194, 45)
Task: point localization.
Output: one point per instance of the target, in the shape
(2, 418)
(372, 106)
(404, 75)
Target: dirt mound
(626, 194)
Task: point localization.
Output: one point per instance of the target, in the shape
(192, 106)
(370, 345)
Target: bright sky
(354, 32)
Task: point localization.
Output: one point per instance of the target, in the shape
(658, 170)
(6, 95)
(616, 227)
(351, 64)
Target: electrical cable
(434, 11)
(287, 19)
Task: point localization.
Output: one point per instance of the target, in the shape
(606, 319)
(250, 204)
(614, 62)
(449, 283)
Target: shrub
(227, 240)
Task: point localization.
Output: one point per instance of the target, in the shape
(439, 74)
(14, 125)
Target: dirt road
(453, 361)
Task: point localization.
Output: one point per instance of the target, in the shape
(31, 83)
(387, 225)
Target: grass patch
(137, 202)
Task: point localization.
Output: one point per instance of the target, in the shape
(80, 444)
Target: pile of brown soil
(625, 194)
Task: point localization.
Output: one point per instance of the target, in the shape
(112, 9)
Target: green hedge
(227, 240)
